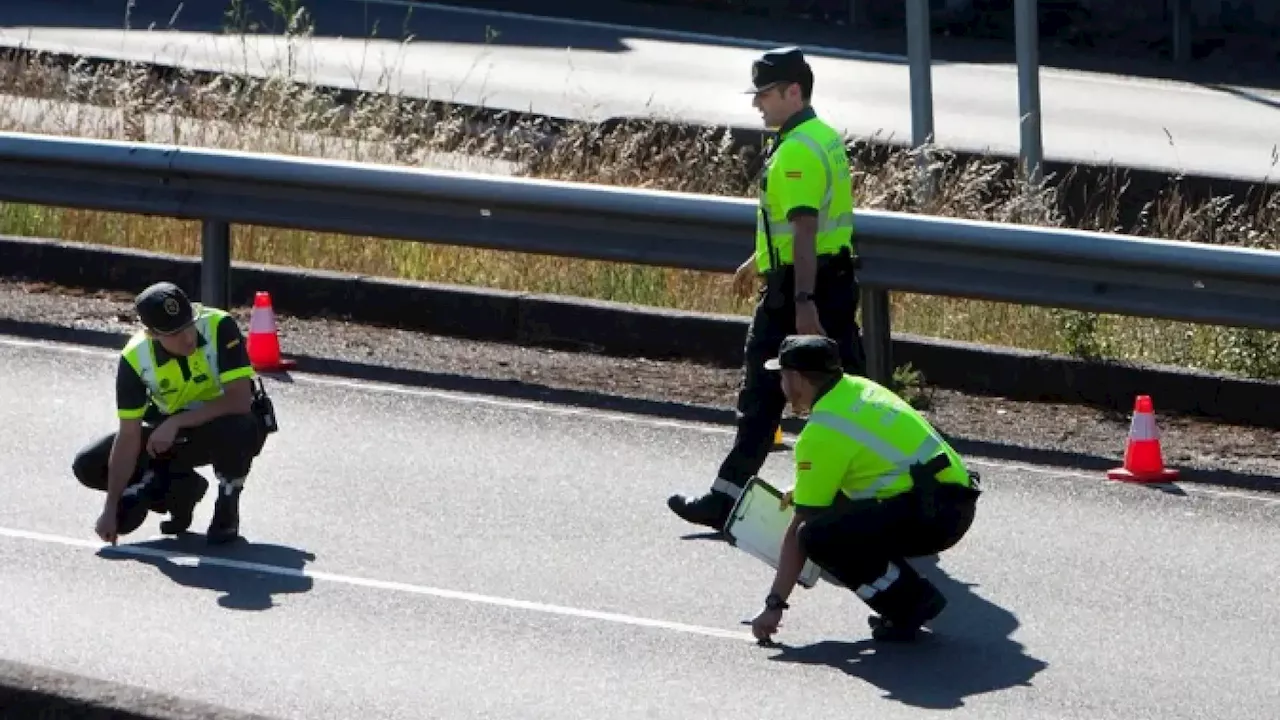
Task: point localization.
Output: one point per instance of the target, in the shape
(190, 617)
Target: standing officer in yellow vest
(805, 255)
(875, 485)
(185, 397)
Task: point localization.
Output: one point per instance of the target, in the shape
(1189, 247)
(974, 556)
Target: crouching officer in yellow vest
(875, 485)
(186, 397)
(805, 260)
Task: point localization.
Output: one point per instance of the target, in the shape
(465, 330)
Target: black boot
(711, 510)
(906, 627)
(186, 490)
(225, 525)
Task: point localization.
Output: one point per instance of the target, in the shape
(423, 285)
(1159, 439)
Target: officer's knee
(80, 466)
(812, 538)
(803, 536)
(89, 466)
(88, 469)
(818, 545)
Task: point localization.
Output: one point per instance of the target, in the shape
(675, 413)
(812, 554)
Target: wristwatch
(774, 602)
(804, 297)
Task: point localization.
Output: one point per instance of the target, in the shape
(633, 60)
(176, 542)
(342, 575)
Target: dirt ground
(1241, 456)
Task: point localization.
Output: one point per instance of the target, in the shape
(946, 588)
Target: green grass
(274, 115)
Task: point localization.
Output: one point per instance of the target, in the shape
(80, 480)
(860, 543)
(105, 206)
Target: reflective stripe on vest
(826, 223)
(142, 357)
(930, 446)
(834, 231)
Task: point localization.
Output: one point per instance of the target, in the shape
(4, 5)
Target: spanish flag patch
(804, 465)
(794, 174)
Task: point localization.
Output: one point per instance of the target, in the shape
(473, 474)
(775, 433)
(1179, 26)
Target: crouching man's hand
(766, 624)
(106, 525)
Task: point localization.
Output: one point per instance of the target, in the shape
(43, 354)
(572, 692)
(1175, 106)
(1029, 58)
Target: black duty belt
(825, 262)
(926, 484)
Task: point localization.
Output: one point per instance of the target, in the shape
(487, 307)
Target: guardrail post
(875, 334)
(215, 263)
(1180, 29)
(920, 57)
(1027, 19)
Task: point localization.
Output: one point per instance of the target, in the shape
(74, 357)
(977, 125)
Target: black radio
(263, 408)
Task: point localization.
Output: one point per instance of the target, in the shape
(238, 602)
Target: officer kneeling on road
(875, 484)
(185, 397)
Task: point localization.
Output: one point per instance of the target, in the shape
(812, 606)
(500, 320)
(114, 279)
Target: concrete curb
(27, 692)
(625, 330)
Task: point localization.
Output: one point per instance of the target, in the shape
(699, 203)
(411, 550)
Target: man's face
(797, 390)
(181, 343)
(777, 102)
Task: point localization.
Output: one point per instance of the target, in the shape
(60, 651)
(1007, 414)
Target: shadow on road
(248, 575)
(708, 535)
(969, 651)
(1245, 94)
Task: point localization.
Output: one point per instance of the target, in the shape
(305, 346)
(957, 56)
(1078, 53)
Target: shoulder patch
(804, 465)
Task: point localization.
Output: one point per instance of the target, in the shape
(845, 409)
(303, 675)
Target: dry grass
(273, 115)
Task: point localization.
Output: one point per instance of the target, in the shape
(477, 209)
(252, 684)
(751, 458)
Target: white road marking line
(187, 558)
(368, 386)
(1238, 495)
(57, 347)
(595, 414)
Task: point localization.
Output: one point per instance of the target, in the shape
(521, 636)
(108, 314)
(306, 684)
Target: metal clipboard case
(757, 525)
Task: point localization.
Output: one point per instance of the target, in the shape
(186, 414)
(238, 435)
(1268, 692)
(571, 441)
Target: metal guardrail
(1049, 267)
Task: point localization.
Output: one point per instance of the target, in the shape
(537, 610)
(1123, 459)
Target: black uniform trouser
(229, 443)
(760, 397)
(865, 544)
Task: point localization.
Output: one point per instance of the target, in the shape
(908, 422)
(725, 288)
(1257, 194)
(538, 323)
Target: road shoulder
(1057, 434)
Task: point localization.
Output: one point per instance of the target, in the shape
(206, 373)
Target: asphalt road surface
(416, 554)
(572, 69)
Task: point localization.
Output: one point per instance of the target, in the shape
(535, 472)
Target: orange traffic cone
(264, 340)
(1143, 459)
(778, 442)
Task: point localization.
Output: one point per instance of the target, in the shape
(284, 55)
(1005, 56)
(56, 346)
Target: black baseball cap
(807, 353)
(781, 65)
(163, 308)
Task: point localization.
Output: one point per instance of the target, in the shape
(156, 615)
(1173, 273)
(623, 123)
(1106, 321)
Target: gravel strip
(1189, 443)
